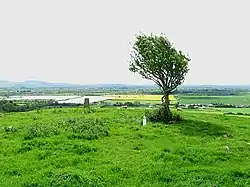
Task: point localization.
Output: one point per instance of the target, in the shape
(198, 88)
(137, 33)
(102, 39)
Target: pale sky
(88, 41)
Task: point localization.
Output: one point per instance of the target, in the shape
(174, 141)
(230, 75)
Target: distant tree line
(216, 105)
(11, 106)
(237, 113)
(222, 105)
(198, 91)
(210, 91)
(130, 104)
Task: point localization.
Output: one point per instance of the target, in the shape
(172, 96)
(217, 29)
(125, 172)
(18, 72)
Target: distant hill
(33, 84)
(43, 84)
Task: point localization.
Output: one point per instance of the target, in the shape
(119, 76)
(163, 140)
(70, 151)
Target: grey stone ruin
(86, 102)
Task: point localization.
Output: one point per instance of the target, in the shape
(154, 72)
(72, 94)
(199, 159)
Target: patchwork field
(235, 99)
(109, 147)
(184, 99)
(140, 97)
(243, 110)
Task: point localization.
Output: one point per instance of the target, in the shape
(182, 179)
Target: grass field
(109, 147)
(236, 99)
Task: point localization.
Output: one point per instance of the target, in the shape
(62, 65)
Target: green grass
(109, 147)
(236, 99)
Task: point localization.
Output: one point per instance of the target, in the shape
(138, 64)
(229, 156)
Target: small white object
(227, 148)
(144, 121)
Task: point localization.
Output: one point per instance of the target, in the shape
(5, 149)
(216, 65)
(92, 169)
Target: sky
(89, 42)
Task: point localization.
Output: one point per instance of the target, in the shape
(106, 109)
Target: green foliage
(40, 130)
(81, 128)
(10, 129)
(67, 180)
(156, 59)
(83, 149)
(88, 110)
(12, 106)
(7, 106)
(158, 115)
(237, 113)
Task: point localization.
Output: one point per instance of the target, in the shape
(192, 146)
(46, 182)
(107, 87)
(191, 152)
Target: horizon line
(137, 84)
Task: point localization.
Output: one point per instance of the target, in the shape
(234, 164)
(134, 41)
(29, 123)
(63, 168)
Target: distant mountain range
(43, 84)
(31, 84)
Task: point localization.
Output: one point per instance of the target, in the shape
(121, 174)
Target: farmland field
(134, 100)
(109, 147)
(219, 110)
(143, 99)
(184, 99)
(140, 97)
(243, 110)
(235, 99)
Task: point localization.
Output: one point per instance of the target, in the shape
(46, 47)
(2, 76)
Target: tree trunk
(166, 110)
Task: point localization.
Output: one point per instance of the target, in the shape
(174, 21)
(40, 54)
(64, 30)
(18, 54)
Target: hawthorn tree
(155, 58)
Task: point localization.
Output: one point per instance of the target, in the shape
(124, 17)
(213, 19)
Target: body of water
(81, 99)
(59, 99)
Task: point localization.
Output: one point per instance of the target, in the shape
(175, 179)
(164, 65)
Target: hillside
(109, 147)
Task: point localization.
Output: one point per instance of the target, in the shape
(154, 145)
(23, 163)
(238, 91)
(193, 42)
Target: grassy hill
(109, 147)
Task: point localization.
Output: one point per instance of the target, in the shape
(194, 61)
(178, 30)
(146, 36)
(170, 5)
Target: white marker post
(144, 121)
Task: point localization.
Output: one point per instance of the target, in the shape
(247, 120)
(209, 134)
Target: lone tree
(156, 59)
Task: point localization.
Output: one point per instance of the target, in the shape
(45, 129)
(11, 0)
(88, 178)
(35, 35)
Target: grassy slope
(189, 154)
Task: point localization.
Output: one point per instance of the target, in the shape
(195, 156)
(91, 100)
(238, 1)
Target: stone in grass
(86, 102)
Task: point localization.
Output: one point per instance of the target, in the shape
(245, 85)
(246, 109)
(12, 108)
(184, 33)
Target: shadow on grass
(201, 128)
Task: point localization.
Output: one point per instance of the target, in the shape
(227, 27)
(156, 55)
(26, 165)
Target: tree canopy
(156, 59)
